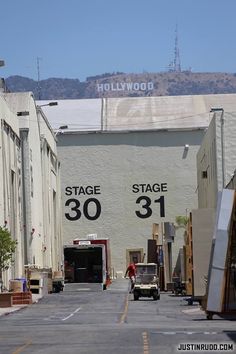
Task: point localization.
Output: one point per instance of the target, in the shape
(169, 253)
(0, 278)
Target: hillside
(123, 85)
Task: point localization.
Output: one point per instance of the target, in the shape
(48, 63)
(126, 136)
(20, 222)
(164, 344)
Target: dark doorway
(83, 265)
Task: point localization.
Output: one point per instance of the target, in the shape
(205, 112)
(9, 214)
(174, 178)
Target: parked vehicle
(88, 261)
(146, 281)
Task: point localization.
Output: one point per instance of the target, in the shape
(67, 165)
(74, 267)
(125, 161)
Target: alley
(85, 319)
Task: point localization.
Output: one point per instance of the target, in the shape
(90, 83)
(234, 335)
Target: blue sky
(81, 38)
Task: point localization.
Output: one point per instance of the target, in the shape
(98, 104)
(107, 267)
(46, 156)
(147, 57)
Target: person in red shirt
(131, 271)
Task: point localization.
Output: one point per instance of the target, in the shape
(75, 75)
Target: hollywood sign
(125, 86)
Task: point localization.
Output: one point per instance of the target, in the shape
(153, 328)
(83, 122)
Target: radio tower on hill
(175, 66)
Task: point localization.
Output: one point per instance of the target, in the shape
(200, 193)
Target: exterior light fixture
(186, 146)
(53, 103)
(60, 129)
(63, 127)
(2, 62)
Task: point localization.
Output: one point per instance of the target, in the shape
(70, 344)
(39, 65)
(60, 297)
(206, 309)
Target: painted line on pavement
(72, 314)
(124, 314)
(20, 349)
(66, 318)
(145, 343)
(77, 310)
(168, 333)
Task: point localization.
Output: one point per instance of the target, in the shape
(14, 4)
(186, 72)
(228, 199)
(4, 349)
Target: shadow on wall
(142, 138)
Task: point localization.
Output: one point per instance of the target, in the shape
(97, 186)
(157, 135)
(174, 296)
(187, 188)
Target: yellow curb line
(145, 343)
(123, 316)
(20, 349)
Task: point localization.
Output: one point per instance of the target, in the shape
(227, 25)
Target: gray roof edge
(73, 132)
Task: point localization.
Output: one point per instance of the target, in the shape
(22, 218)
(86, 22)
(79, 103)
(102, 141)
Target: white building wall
(36, 187)
(10, 184)
(217, 156)
(52, 237)
(230, 145)
(113, 164)
(40, 173)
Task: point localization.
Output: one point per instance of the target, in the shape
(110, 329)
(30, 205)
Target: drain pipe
(222, 142)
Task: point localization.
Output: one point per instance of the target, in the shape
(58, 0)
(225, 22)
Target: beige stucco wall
(114, 162)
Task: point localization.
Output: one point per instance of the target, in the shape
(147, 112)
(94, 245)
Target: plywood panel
(203, 228)
(218, 266)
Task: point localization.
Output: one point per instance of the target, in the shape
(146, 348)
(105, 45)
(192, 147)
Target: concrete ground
(85, 319)
(116, 285)
(119, 284)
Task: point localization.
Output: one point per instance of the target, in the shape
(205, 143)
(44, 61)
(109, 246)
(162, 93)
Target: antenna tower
(177, 66)
(38, 83)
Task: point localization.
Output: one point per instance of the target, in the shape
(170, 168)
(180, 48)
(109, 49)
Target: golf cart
(146, 282)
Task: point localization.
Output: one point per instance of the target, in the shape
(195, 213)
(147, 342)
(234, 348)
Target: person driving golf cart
(146, 281)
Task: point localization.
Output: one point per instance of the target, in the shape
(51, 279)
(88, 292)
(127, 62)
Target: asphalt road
(85, 319)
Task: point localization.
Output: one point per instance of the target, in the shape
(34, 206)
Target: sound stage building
(129, 163)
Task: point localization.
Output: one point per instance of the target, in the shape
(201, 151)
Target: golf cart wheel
(155, 295)
(136, 295)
